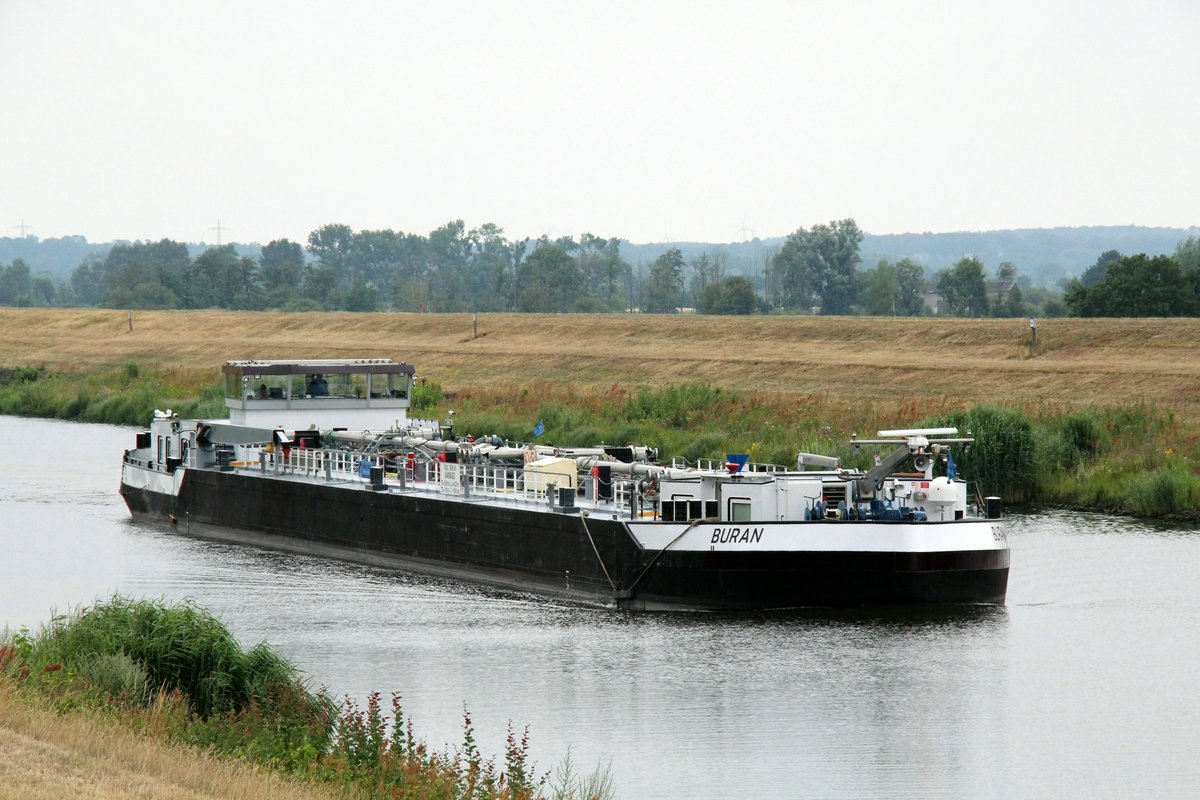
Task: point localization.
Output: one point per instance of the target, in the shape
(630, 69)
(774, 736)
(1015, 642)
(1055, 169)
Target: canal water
(1084, 685)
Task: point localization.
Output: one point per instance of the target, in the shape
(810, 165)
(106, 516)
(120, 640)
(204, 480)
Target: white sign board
(450, 479)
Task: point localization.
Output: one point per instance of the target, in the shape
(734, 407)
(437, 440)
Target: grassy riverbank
(142, 699)
(1103, 414)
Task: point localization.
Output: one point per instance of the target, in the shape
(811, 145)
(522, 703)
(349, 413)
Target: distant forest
(832, 268)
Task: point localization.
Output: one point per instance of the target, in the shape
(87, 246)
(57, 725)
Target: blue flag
(950, 471)
(540, 429)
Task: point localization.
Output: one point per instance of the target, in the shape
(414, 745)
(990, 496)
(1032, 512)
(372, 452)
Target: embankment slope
(1078, 362)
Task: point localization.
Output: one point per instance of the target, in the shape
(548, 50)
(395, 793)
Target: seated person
(317, 387)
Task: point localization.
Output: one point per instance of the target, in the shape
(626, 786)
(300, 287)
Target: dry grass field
(1078, 362)
(48, 756)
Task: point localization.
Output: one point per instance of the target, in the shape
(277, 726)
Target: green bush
(707, 445)
(583, 436)
(1164, 492)
(118, 676)
(673, 405)
(559, 419)
(426, 397)
(1082, 434)
(178, 646)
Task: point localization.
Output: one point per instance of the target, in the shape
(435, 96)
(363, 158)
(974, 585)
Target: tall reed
(179, 647)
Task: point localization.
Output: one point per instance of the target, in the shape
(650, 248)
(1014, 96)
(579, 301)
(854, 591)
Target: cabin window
(266, 387)
(687, 509)
(388, 385)
(391, 385)
(739, 510)
(345, 384)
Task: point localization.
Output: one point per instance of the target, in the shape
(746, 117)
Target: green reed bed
(175, 671)
(124, 395)
(1135, 459)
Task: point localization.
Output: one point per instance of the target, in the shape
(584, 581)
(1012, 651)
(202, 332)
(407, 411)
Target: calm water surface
(1083, 686)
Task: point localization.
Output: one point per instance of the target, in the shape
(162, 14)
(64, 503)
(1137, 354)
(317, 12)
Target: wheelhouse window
(264, 387)
(389, 385)
(342, 384)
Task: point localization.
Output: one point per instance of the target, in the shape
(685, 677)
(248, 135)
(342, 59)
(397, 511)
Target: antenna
(22, 227)
(218, 229)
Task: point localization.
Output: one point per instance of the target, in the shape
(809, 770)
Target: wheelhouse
(370, 393)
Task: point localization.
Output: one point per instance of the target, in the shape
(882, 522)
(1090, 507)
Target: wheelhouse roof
(325, 366)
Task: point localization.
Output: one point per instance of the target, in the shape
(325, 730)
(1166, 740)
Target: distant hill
(56, 257)
(59, 257)
(1046, 255)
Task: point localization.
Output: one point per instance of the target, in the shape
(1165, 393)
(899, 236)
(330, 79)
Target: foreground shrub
(176, 671)
(118, 676)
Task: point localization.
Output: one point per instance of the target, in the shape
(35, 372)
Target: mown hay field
(48, 755)
(1077, 362)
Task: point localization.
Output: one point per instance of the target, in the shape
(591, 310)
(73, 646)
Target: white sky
(643, 120)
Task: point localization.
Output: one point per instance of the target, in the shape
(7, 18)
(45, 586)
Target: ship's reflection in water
(1081, 686)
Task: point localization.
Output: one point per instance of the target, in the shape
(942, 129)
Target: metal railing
(718, 465)
(507, 484)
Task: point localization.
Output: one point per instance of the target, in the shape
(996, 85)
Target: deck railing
(497, 483)
(719, 465)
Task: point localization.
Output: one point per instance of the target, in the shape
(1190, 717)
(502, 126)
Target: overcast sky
(648, 121)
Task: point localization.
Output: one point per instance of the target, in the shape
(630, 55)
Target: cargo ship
(321, 457)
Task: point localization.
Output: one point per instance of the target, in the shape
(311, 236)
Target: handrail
(718, 465)
(494, 482)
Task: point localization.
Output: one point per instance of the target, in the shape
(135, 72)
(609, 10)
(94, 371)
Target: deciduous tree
(548, 280)
(281, 271)
(663, 290)
(1135, 286)
(818, 267)
(964, 289)
(734, 295)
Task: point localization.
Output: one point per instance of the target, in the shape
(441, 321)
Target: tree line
(450, 269)
(817, 270)
(1139, 285)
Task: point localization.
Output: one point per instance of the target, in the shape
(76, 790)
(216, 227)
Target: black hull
(593, 560)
